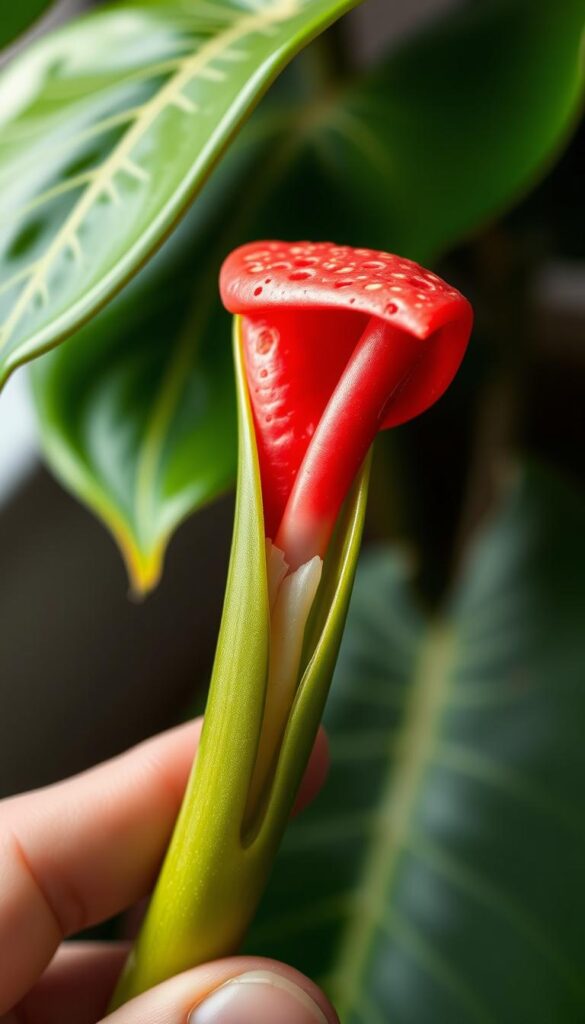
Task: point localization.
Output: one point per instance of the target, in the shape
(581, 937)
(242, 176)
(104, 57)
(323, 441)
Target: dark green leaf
(108, 129)
(439, 877)
(18, 15)
(137, 412)
(453, 127)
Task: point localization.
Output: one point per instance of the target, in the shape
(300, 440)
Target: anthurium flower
(339, 343)
(331, 344)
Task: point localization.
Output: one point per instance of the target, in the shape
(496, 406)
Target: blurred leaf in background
(17, 17)
(439, 875)
(458, 123)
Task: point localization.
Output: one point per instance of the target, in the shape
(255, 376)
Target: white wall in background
(19, 450)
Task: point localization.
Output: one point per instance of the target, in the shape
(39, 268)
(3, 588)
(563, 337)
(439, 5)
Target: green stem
(217, 863)
(209, 883)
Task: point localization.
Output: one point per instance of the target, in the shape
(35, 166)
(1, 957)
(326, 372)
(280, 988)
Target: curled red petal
(319, 275)
(305, 307)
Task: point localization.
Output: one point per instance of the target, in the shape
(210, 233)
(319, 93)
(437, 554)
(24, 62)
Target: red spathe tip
(338, 344)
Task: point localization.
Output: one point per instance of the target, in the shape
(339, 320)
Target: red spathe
(339, 343)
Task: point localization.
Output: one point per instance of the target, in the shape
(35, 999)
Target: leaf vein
(188, 69)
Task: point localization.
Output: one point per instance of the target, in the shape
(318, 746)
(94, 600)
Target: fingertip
(239, 990)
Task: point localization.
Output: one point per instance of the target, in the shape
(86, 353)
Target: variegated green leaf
(137, 412)
(108, 127)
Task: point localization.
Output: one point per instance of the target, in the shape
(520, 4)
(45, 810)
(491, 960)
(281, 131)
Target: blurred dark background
(85, 672)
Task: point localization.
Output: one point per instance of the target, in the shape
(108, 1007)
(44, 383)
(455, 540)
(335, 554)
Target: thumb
(241, 990)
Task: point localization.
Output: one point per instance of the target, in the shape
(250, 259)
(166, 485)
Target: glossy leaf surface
(108, 128)
(15, 18)
(438, 877)
(137, 413)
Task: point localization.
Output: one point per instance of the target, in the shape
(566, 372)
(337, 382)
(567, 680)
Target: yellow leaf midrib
(429, 692)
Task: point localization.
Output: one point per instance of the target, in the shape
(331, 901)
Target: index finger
(80, 851)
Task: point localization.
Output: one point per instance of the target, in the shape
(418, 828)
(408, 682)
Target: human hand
(78, 852)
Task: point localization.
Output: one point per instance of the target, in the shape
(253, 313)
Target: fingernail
(259, 997)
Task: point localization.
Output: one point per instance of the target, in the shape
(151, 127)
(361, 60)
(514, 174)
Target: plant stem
(222, 850)
(210, 882)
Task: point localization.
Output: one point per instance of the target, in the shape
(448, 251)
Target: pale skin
(74, 854)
